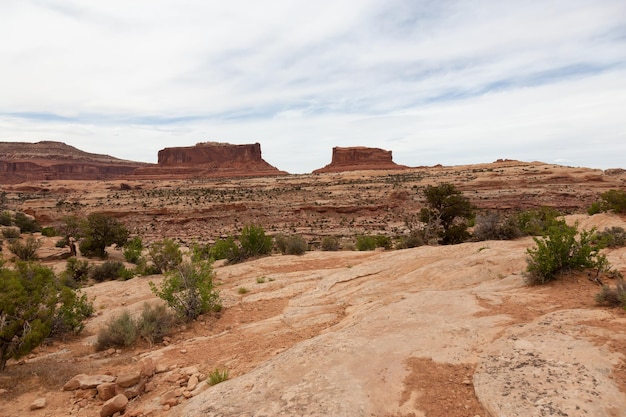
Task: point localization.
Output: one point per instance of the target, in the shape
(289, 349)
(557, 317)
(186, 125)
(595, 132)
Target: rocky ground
(429, 331)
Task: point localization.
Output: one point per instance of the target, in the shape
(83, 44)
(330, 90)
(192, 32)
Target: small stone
(192, 383)
(187, 394)
(38, 404)
(160, 368)
(129, 379)
(183, 351)
(107, 391)
(114, 405)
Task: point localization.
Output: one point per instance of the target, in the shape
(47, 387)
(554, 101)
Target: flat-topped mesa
(359, 158)
(210, 159)
(50, 160)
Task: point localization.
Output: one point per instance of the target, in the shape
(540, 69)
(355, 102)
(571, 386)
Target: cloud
(435, 81)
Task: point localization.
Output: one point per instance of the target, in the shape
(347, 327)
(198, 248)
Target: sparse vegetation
(536, 222)
(242, 290)
(291, 245)
(76, 272)
(494, 226)
(110, 270)
(614, 237)
(563, 249)
(189, 290)
(330, 243)
(613, 297)
(217, 376)
(132, 250)
(120, 331)
(225, 249)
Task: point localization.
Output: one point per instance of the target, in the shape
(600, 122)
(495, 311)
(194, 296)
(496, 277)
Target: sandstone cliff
(49, 160)
(210, 159)
(359, 158)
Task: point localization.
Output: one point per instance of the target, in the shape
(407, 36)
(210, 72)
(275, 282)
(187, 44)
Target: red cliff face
(358, 159)
(48, 160)
(210, 160)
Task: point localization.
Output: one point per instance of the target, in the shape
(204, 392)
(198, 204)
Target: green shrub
(217, 376)
(225, 249)
(189, 290)
(254, 242)
(330, 243)
(26, 251)
(291, 245)
(364, 243)
(49, 232)
(132, 250)
(412, 240)
(72, 312)
(383, 242)
(6, 218)
(108, 271)
(612, 200)
(493, 226)
(613, 297)
(536, 222)
(448, 212)
(166, 255)
(200, 252)
(26, 223)
(561, 251)
(99, 231)
(119, 331)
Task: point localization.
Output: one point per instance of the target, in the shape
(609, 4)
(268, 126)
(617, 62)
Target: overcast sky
(434, 81)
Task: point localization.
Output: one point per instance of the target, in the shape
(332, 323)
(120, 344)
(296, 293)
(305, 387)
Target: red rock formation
(48, 160)
(358, 159)
(210, 159)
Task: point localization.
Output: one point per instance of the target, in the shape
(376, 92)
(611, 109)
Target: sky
(434, 81)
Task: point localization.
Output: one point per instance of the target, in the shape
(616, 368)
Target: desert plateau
(427, 331)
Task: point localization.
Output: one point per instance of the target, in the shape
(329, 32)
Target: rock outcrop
(49, 160)
(210, 159)
(358, 159)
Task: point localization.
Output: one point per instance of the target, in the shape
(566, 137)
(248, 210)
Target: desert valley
(431, 330)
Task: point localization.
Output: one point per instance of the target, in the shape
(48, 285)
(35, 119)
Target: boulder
(114, 405)
(83, 381)
(358, 159)
(39, 403)
(107, 391)
(129, 379)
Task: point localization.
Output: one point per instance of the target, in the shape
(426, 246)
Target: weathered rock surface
(49, 160)
(83, 381)
(359, 158)
(210, 159)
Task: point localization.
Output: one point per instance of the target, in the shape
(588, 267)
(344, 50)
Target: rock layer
(210, 159)
(359, 158)
(49, 160)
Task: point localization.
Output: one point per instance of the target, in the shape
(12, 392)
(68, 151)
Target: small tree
(189, 290)
(31, 301)
(166, 255)
(26, 251)
(612, 200)
(132, 249)
(71, 229)
(449, 211)
(254, 242)
(99, 231)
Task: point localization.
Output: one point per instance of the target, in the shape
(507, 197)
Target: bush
(132, 250)
(612, 200)
(448, 212)
(536, 222)
(119, 331)
(26, 223)
(72, 312)
(254, 242)
(6, 218)
(492, 226)
(365, 243)
(613, 297)
(291, 245)
(11, 233)
(76, 271)
(383, 242)
(26, 251)
(560, 251)
(225, 249)
(412, 240)
(166, 255)
(217, 376)
(189, 290)
(109, 271)
(101, 230)
(615, 237)
(49, 232)
(330, 243)
(154, 323)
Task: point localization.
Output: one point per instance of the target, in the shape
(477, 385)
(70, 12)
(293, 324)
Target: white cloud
(436, 82)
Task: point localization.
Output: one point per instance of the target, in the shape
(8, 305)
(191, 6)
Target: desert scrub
(216, 376)
(291, 245)
(615, 237)
(613, 297)
(76, 272)
(330, 243)
(166, 255)
(120, 331)
(242, 290)
(536, 222)
(189, 290)
(612, 200)
(27, 250)
(254, 242)
(110, 270)
(561, 250)
(132, 250)
(494, 226)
